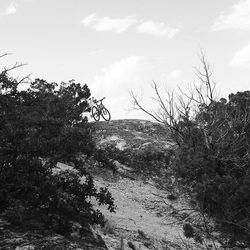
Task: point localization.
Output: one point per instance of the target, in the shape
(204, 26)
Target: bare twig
(5, 54)
(16, 65)
(138, 106)
(23, 80)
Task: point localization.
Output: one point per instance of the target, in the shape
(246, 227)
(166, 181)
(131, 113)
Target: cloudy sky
(117, 46)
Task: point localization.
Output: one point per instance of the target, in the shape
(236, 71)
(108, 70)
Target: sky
(116, 46)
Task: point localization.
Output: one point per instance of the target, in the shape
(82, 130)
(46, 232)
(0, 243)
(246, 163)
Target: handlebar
(99, 100)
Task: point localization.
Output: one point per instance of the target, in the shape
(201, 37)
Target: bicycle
(99, 110)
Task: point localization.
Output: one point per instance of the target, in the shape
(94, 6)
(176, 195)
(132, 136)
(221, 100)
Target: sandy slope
(143, 216)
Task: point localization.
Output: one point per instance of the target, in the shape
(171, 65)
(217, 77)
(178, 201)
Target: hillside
(132, 143)
(133, 131)
(150, 211)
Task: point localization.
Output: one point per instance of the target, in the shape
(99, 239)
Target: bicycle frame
(99, 105)
(99, 109)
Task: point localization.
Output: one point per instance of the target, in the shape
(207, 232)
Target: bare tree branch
(23, 80)
(16, 65)
(5, 54)
(138, 106)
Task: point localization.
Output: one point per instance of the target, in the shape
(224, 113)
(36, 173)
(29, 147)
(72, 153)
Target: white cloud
(122, 24)
(169, 78)
(109, 24)
(157, 29)
(11, 9)
(242, 58)
(90, 19)
(98, 52)
(117, 80)
(122, 75)
(174, 74)
(237, 18)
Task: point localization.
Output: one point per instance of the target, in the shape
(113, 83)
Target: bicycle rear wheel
(95, 113)
(105, 114)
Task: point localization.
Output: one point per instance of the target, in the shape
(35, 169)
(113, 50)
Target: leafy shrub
(188, 230)
(106, 156)
(39, 127)
(216, 167)
(147, 160)
(213, 149)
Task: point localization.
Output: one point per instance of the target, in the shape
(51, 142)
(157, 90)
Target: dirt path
(143, 216)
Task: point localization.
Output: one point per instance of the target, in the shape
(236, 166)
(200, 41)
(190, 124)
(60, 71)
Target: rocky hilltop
(134, 146)
(131, 133)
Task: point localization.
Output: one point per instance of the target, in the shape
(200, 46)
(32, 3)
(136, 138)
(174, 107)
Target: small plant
(108, 227)
(131, 245)
(172, 197)
(141, 234)
(122, 243)
(188, 230)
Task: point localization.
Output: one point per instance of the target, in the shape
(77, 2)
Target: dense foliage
(39, 127)
(213, 160)
(147, 160)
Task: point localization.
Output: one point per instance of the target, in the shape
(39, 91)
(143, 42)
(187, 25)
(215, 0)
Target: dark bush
(212, 159)
(214, 163)
(106, 156)
(148, 160)
(39, 127)
(188, 230)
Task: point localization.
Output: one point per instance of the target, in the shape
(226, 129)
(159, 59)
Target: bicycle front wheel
(95, 113)
(105, 114)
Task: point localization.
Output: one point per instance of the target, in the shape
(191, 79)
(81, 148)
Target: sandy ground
(143, 216)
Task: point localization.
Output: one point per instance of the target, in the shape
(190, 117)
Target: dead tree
(184, 105)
